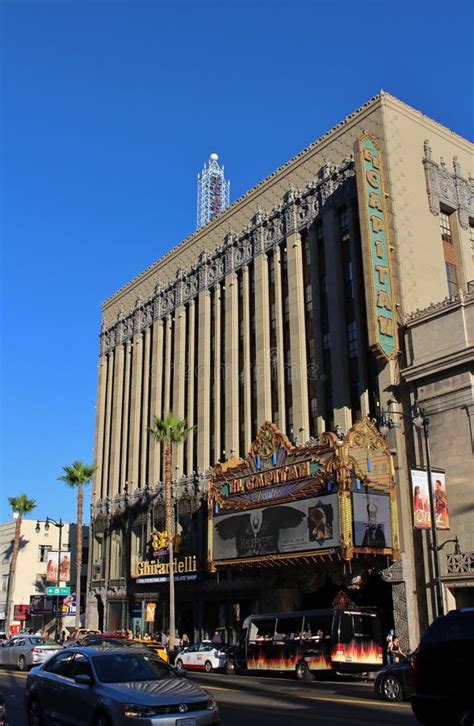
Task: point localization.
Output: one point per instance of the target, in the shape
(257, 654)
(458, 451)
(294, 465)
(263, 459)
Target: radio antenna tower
(213, 192)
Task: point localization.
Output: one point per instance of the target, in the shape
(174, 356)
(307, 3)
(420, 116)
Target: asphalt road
(267, 701)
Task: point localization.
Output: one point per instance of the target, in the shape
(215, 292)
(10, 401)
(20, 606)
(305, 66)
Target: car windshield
(131, 667)
(43, 641)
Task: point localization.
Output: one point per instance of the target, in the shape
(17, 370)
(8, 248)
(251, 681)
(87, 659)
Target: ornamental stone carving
(446, 187)
(298, 210)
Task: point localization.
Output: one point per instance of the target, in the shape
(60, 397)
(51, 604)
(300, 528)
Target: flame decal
(282, 663)
(357, 653)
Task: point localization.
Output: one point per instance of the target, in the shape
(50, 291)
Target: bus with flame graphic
(308, 642)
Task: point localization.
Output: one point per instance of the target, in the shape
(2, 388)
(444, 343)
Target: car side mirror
(83, 679)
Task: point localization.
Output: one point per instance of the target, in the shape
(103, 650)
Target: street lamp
(421, 421)
(60, 526)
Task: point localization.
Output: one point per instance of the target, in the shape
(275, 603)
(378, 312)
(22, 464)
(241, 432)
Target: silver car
(25, 651)
(108, 686)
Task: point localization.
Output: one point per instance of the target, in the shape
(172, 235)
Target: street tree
(77, 476)
(20, 505)
(170, 431)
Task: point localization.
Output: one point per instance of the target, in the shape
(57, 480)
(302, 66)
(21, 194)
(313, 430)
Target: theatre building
(334, 293)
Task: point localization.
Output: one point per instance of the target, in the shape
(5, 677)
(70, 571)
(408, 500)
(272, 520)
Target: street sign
(58, 590)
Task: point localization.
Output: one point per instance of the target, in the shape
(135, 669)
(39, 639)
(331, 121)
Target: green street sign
(58, 591)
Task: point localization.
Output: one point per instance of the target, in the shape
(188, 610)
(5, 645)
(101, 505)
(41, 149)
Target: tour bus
(308, 642)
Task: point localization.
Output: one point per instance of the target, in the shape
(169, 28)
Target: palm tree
(77, 476)
(21, 505)
(170, 430)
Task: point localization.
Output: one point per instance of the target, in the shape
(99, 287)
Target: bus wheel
(302, 672)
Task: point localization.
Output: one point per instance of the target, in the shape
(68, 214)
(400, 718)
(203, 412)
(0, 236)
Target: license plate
(186, 722)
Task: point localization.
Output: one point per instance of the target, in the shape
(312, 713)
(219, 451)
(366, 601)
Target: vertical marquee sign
(381, 312)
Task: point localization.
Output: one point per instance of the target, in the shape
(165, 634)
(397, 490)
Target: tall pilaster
(178, 381)
(191, 363)
(99, 427)
(145, 423)
(279, 353)
(108, 420)
(156, 376)
(337, 323)
(262, 340)
(216, 427)
(317, 333)
(299, 382)
(124, 470)
(135, 410)
(116, 432)
(204, 376)
(167, 371)
(231, 364)
(247, 379)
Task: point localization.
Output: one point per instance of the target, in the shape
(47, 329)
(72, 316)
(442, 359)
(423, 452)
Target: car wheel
(101, 719)
(21, 663)
(208, 666)
(179, 664)
(302, 672)
(229, 667)
(392, 689)
(35, 715)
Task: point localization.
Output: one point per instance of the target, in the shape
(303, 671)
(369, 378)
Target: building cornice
(448, 304)
(298, 209)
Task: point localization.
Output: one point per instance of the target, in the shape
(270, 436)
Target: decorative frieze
(449, 188)
(299, 209)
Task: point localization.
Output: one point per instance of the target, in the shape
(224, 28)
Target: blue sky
(109, 111)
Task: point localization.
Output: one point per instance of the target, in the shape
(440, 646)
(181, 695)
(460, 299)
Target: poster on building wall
(372, 521)
(64, 567)
(298, 526)
(421, 500)
(21, 612)
(150, 609)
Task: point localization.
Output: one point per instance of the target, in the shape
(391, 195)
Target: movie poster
(421, 500)
(372, 523)
(150, 609)
(299, 526)
(64, 568)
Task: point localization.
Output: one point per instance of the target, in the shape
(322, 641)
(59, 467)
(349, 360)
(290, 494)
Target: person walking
(395, 650)
(185, 640)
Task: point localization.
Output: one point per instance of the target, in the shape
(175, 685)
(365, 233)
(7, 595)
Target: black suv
(443, 671)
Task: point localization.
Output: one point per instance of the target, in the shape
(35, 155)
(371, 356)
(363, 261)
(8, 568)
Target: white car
(25, 651)
(201, 657)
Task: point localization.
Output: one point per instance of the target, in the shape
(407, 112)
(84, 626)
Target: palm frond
(22, 504)
(170, 429)
(78, 474)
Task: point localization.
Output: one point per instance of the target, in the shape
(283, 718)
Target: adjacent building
(335, 290)
(37, 557)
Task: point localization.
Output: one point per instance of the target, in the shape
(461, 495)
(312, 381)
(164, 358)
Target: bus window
(288, 629)
(317, 627)
(262, 630)
(363, 627)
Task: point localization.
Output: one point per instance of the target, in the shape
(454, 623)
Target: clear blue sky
(109, 110)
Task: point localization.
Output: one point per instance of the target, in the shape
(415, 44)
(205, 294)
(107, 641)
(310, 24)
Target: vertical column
(167, 371)
(299, 383)
(231, 365)
(144, 417)
(280, 352)
(116, 433)
(191, 364)
(337, 324)
(124, 471)
(318, 343)
(156, 374)
(203, 382)
(262, 341)
(247, 381)
(135, 410)
(108, 417)
(99, 427)
(217, 374)
(178, 381)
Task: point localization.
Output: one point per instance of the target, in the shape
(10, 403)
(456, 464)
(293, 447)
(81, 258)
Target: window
(40, 584)
(471, 235)
(352, 339)
(289, 628)
(60, 665)
(326, 341)
(452, 276)
(262, 630)
(43, 552)
(445, 226)
(317, 627)
(308, 297)
(4, 583)
(81, 666)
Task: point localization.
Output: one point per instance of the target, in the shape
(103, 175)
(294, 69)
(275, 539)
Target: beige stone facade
(262, 315)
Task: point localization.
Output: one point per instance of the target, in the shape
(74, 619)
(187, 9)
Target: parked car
(78, 633)
(201, 657)
(3, 639)
(120, 642)
(153, 645)
(27, 650)
(395, 681)
(442, 671)
(105, 686)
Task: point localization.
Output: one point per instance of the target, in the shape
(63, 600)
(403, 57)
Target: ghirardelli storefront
(294, 527)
